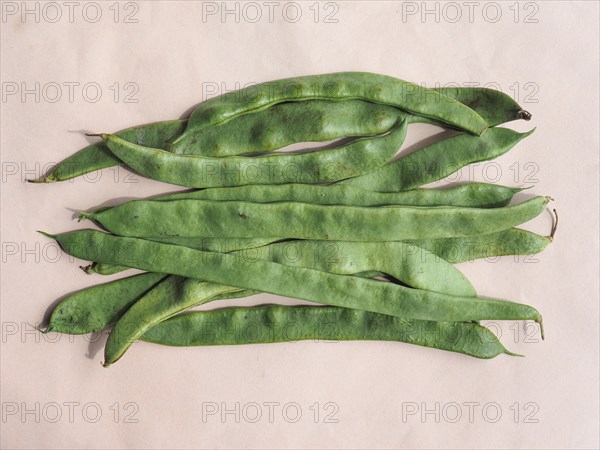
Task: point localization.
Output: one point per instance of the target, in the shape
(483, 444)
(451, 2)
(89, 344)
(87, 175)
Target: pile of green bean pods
(347, 226)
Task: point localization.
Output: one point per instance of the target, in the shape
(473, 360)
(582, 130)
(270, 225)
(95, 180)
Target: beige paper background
(173, 57)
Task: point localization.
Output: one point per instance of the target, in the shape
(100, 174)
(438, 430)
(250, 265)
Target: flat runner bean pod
(493, 106)
(321, 120)
(222, 245)
(287, 220)
(350, 160)
(99, 307)
(438, 160)
(296, 282)
(513, 241)
(171, 296)
(418, 269)
(405, 262)
(277, 323)
(289, 123)
(480, 195)
(97, 156)
(375, 88)
(95, 308)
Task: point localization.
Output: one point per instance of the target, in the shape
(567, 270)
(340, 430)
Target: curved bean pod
(97, 156)
(277, 323)
(513, 241)
(495, 107)
(375, 88)
(340, 163)
(93, 309)
(198, 218)
(221, 245)
(289, 123)
(412, 266)
(468, 194)
(297, 282)
(171, 296)
(415, 267)
(481, 195)
(322, 120)
(438, 160)
(407, 263)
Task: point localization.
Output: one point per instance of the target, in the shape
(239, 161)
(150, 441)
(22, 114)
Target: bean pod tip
(48, 179)
(100, 135)
(554, 224)
(87, 269)
(51, 236)
(525, 115)
(85, 216)
(46, 330)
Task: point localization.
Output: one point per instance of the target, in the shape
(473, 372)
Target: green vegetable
(97, 156)
(323, 166)
(93, 309)
(375, 88)
(493, 106)
(481, 195)
(438, 160)
(289, 123)
(302, 283)
(199, 218)
(277, 323)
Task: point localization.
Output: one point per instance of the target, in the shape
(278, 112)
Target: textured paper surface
(67, 69)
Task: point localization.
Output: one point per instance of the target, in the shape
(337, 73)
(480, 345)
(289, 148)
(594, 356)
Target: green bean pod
(93, 309)
(511, 242)
(202, 218)
(438, 160)
(277, 323)
(405, 262)
(289, 123)
(480, 195)
(493, 106)
(416, 268)
(171, 296)
(321, 120)
(469, 194)
(375, 88)
(222, 245)
(296, 282)
(350, 160)
(97, 156)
